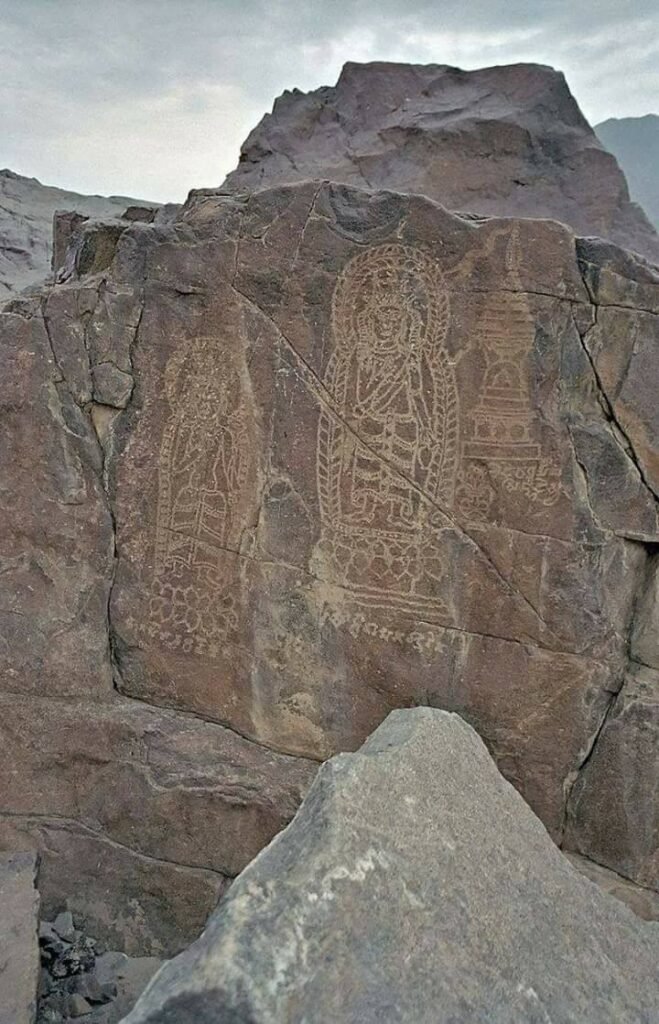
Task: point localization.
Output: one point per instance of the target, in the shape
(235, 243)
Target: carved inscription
(203, 494)
(420, 639)
(389, 458)
(500, 448)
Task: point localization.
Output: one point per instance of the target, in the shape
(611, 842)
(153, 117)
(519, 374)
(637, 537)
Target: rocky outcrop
(503, 142)
(413, 885)
(634, 141)
(285, 464)
(19, 949)
(27, 209)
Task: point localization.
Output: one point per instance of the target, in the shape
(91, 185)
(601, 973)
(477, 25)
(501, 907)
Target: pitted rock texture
(282, 465)
(27, 209)
(414, 884)
(503, 141)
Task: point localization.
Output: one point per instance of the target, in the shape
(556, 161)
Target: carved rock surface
(413, 885)
(503, 141)
(287, 463)
(26, 226)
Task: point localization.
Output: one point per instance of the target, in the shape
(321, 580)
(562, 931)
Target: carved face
(385, 323)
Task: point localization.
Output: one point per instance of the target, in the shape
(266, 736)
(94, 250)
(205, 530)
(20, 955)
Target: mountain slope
(26, 225)
(634, 141)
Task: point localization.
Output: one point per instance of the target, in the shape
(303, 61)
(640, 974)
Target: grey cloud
(188, 79)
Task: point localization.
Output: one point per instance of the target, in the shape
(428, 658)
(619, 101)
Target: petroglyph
(391, 378)
(420, 638)
(203, 501)
(500, 449)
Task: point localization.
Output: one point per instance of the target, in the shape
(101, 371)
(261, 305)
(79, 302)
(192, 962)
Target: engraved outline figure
(393, 383)
(203, 470)
(502, 446)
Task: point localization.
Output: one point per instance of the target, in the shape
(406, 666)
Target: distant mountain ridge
(26, 225)
(634, 141)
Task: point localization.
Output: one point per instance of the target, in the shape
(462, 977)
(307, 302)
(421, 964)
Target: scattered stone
(77, 1006)
(75, 982)
(109, 967)
(88, 986)
(47, 934)
(489, 559)
(413, 885)
(19, 949)
(63, 925)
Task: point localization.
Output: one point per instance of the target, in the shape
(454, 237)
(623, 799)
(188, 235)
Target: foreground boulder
(291, 461)
(503, 141)
(414, 885)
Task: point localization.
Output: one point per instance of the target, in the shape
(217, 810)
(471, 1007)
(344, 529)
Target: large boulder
(503, 141)
(414, 885)
(296, 459)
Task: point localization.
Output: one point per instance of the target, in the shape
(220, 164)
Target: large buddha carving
(387, 444)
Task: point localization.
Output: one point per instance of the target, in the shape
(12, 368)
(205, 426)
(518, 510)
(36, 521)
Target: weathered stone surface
(27, 209)
(150, 812)
(19, 948)
(375, 526)
(644, 902)
(413, 885)
(283, 464)
(613, 814)
(503, 141)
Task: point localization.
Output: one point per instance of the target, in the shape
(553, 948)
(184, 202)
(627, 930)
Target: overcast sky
(149, 98)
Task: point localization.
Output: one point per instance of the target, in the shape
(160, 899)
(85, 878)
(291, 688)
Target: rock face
(19, 948)
(634, 141)
(413, 885)
(285, 464)
(504, 142)
(26, 226)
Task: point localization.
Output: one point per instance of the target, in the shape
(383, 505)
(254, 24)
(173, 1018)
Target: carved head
(390, 300)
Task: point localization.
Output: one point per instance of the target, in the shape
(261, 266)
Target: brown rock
(369, 454)
(150, 812)
(503, 141)
(374, 531)
(613, 814)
